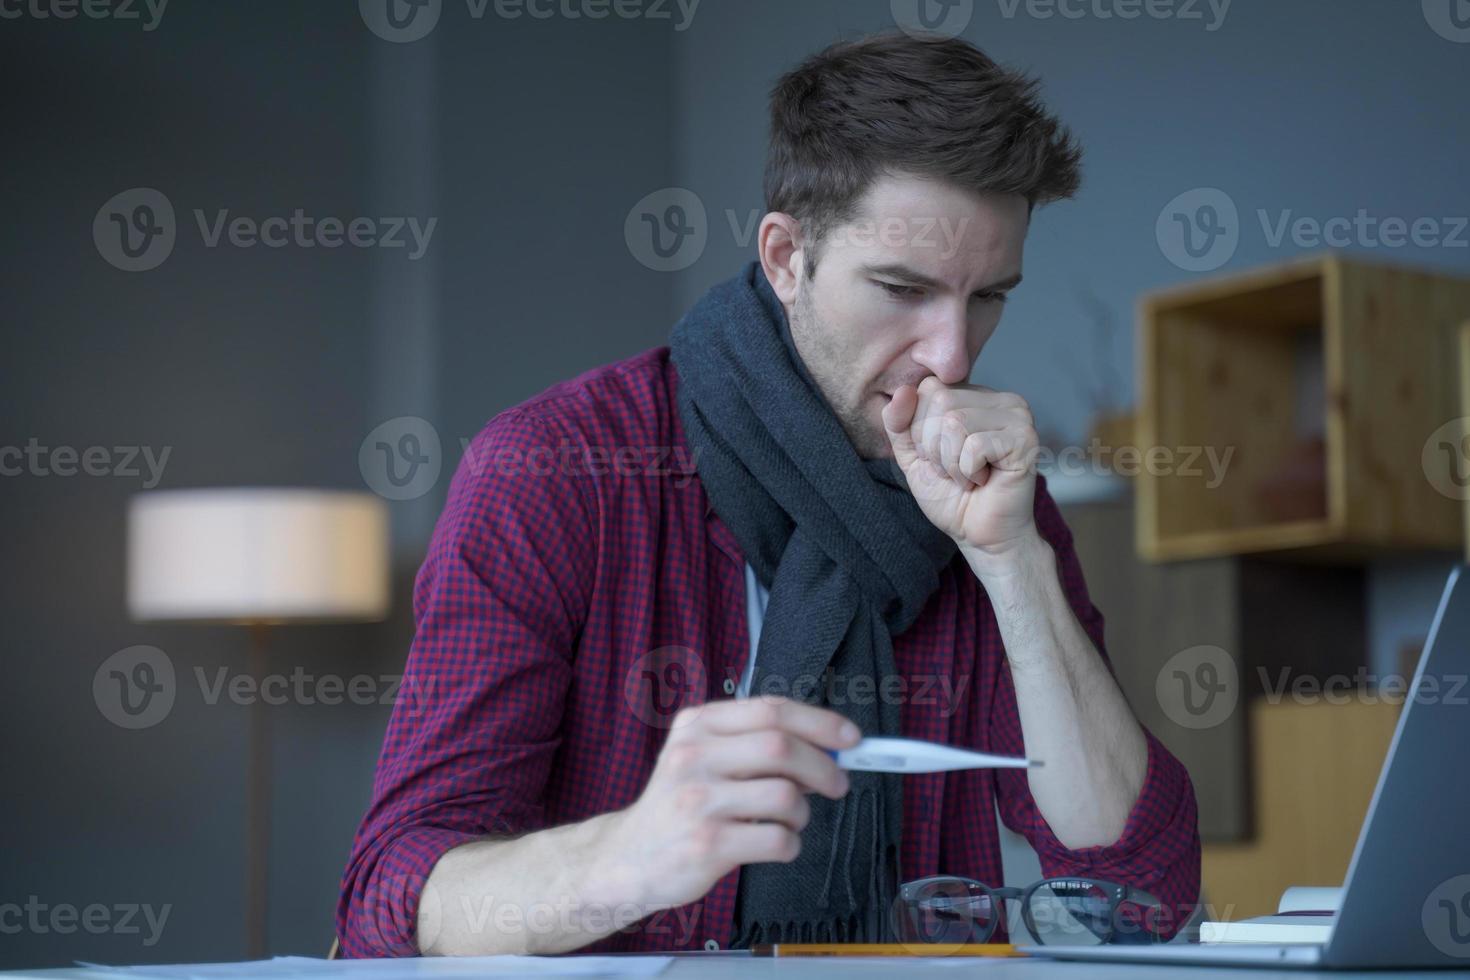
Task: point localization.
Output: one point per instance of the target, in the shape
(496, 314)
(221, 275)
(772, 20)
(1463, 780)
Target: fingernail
(850, 732)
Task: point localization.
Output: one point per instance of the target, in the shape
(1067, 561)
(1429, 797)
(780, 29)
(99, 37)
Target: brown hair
(931, 107)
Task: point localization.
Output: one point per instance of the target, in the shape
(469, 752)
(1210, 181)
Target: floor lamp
(257, 557)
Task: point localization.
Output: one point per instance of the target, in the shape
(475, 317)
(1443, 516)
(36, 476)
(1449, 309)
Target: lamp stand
(258, 802)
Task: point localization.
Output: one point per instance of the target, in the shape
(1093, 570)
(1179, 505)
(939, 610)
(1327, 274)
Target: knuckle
(787, 796)
(777, 746)
(704, 841)
(787, 845)
(765, 713)
(684, 758)
(691, 798)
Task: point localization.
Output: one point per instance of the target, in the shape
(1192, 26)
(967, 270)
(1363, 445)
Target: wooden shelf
(1465, 416)
(1322, 378)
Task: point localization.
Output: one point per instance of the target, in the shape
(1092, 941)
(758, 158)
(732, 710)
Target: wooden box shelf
(1322, 379)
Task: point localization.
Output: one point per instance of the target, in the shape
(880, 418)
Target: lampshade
(257, 554)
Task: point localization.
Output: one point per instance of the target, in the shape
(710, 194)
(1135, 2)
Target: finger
(754, 843)
(819, 726)
(951, 445)
(977, 456)
(898, 416)
(758, 755)
(775, 799)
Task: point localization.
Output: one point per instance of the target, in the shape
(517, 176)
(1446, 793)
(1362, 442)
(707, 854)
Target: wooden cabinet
(1322, 379)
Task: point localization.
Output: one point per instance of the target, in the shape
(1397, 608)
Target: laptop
(1406, 901)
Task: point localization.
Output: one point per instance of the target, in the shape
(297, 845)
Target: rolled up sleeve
(498, 603)
(1159, 849)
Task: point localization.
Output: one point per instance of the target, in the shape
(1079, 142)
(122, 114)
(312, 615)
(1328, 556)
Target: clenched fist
(969, 455)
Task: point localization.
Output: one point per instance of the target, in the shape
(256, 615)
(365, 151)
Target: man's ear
(780, 244)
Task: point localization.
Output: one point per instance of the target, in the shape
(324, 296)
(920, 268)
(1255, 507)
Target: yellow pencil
(886, 949)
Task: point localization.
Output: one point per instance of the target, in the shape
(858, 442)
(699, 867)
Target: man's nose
(944, 351)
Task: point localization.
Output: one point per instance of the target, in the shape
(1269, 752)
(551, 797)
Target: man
(864, 535)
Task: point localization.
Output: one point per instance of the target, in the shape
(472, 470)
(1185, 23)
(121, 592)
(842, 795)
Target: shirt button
(711, 945)
(729, 689)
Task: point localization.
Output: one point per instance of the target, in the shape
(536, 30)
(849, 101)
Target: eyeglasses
(1056, 911)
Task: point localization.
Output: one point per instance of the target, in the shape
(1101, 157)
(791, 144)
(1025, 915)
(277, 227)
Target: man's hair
(893, 103)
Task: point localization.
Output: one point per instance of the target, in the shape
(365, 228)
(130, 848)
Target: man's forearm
(1073, 716)
(544, 893)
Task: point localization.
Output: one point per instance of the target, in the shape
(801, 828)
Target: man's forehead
(941, 232)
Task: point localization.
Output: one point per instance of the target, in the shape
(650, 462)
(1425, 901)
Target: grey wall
(269, 367)
(529, 140)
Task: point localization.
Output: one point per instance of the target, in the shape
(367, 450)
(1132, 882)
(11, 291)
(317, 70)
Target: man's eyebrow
(910, 277)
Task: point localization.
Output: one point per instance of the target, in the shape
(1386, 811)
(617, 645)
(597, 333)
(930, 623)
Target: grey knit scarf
(849, 560)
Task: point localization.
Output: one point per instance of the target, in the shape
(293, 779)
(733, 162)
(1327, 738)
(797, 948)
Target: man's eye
(895, 289)
(992, 296)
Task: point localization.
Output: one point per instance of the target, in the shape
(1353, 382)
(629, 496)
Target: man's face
(912, 286)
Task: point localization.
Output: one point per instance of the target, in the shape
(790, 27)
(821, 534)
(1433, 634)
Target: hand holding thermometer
(908, 755)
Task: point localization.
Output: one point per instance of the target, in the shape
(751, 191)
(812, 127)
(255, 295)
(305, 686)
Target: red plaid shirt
(579, 587)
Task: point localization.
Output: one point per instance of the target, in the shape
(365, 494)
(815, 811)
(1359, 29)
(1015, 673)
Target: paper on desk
(409, 968)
